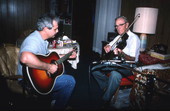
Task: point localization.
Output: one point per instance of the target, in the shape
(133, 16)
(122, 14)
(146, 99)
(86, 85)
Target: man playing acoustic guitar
(59, 86)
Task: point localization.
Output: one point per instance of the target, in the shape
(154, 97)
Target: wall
(17, 16)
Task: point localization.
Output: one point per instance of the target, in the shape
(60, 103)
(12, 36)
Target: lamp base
(143, 42)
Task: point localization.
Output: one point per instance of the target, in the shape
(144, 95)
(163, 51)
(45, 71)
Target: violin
(122, 44)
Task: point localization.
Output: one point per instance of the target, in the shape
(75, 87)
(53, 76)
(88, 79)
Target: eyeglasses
(120, 25)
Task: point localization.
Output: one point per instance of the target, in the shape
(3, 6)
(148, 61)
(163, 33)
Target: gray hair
(46, 21)
(123, 17)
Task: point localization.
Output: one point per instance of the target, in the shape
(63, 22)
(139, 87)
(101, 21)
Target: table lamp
(146, 24)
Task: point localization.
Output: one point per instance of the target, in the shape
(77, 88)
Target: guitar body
(41, 80)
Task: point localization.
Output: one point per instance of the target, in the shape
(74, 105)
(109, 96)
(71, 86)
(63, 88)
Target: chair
(8, 72)
(13, 93)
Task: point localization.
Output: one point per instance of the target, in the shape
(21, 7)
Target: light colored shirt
(35, 44)
(133, 45)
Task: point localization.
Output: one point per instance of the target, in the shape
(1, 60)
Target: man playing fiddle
(130, 52)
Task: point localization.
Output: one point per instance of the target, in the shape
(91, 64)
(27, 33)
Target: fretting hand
(74, 55)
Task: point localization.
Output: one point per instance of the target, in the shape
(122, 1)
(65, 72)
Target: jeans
(62, 91)
(112, 82)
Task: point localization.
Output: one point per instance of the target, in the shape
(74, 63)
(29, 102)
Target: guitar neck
(61, 60)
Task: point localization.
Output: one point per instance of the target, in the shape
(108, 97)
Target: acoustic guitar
(41, 80)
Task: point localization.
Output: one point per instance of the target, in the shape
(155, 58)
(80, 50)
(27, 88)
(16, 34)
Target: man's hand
(107, 48)
(117, 51)
(74, 55)
(52, 68)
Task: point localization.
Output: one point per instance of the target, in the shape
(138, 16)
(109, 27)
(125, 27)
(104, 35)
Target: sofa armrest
(13, 77)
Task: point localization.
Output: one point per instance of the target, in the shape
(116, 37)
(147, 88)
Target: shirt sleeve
(30, 45)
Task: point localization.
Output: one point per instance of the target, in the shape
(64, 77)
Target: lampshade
(147, 21)
(146, 24)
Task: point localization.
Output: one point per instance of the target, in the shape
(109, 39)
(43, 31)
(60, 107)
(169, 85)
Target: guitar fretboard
(61, 60)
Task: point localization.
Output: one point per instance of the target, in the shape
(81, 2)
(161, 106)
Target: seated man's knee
(115, 75)
(96, 73)
(72, 80)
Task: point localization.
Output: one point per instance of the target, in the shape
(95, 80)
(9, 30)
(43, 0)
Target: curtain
(105, 14)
